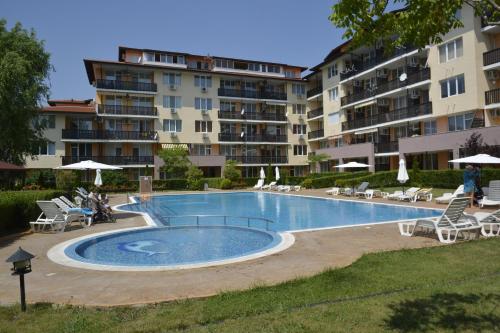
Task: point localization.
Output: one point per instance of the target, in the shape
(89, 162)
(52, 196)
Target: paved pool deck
(313, 252)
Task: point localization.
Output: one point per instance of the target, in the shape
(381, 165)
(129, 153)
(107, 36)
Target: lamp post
(21, 261)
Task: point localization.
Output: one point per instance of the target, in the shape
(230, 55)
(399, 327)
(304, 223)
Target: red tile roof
(70, 106)
(9, 166)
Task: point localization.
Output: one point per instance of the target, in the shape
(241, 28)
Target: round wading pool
(171, 247)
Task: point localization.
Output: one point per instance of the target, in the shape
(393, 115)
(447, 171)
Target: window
(334, 118)
(300, 150)
(203, 81)
(172, 125)
(227, 106)
(203, 103)
(48, 149)
(453, 86)
(298, 89)
(460, 122)
(173, 102)
(299, 109)
(202, 150)
(203, 126)
(228, 150)
(451, 50)
(172, 79)
(430, 127)
(228, 84)
(224, 63)
(291, 74)
(299, 129)
(49, 121)
(333, 70)
(333, 94)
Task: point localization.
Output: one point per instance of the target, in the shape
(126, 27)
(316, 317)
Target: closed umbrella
(277, 171)
(262, 174)
(98, 178)
(402, 173)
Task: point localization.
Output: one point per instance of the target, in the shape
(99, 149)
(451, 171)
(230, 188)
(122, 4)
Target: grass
(442, 289)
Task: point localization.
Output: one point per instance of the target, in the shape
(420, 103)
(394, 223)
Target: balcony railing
(237, 137)
(125, 85)
(111, 160)
(127, 110)
(251, 116)
(314, 91)
(108, 135)
(422, 75)
(244, 93)
(492, 96)
(491, 57)
(361, 66)
(258, 159)
(316, 134)
(387, 147)
(398, 114)
(315, 113)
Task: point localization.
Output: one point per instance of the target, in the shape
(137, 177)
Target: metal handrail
(225, 219)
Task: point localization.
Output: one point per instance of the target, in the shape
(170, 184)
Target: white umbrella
(402, 173)
(98, 178)
(478, 159)
(277, 171)
(352, 165)
(88, 165)
(262, 174)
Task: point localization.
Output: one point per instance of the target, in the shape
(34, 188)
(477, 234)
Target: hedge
(330, 180)
(18, 208)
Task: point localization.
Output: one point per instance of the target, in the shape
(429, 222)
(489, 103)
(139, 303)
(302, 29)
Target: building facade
(364, 104)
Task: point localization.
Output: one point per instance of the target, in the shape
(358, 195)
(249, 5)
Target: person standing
(470, 176)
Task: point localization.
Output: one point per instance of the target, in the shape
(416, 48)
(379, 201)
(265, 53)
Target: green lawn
(451, 288)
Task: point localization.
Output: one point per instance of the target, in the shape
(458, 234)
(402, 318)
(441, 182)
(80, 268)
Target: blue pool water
(180, 245)
(287, 211)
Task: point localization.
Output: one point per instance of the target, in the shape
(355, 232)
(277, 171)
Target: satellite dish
(242, 134)
(403, 77)
(286, 114)
(242, 111)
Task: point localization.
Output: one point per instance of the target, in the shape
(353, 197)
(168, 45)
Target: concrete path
(312, 253)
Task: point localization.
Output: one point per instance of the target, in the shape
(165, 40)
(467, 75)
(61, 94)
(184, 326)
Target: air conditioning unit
(204, 89)
(173, 110)
(413, 62)
(301, 137)
(173, 87)
(383, 72)
(383, 102)
(414, 94)
(205, 135)
(173, 134)
(301, 117)
(492, 75)
(357, 83)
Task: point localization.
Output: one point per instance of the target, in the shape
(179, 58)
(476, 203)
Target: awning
(364, 104)
(174, 146)
(370, 130)
(276, 103)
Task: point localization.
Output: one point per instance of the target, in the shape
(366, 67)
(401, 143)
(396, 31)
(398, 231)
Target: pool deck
(313, 252)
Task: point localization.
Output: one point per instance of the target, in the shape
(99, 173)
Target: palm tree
(314, 159)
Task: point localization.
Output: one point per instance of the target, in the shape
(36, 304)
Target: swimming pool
(198, 230)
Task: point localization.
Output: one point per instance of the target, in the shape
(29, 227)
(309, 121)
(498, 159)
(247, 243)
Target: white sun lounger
(284, 188)
(72, 214)
(333, 191)
(394, 196)
(493, 197)
(448, 226)
(51, 217)
(269, 186)
(447, 197)
(259, 184)
(411, 194)
(489, 222)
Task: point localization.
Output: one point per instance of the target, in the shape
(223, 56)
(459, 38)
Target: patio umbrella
(352, 165)
(262, 174)
(277, 171)
(88, 165)
(478, 159)
(402, 173)
(98, 178)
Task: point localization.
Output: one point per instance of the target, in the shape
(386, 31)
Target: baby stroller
(101, 208)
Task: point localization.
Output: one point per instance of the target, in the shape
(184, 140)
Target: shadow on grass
(447, 311)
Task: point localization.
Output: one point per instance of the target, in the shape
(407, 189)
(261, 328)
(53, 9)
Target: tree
(420, 23)
(475, 145)
(231, 172)
(314, 159)
(269, 174)
(194, 178)
(176, 162)
(24, 74)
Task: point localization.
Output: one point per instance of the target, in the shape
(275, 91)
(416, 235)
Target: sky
(295, 32)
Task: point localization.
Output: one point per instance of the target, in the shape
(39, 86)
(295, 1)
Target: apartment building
(374, 106)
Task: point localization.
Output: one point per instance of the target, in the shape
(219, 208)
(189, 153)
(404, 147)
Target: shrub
(18, 208)
(66, 180)
(44, 178)
(194, 178)
(226, 184)
(116, 178)
(331, 180)
(169, 184)
(231, 172)
(307, 183)
(269, 175)
(213, 182)
(176, 162)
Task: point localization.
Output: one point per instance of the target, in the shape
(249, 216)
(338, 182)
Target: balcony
(315, 113)
(361, 66)
(105, 135)
(316, 134)
(126, 110)
(234, 115)
(111, 160)
(492, 96)
(386, 147)
(422, 75)
(125, 85)
(254, 94)
(259, 159)
(314, 91)
(236, 137)
(395, 115)
(491, 57)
